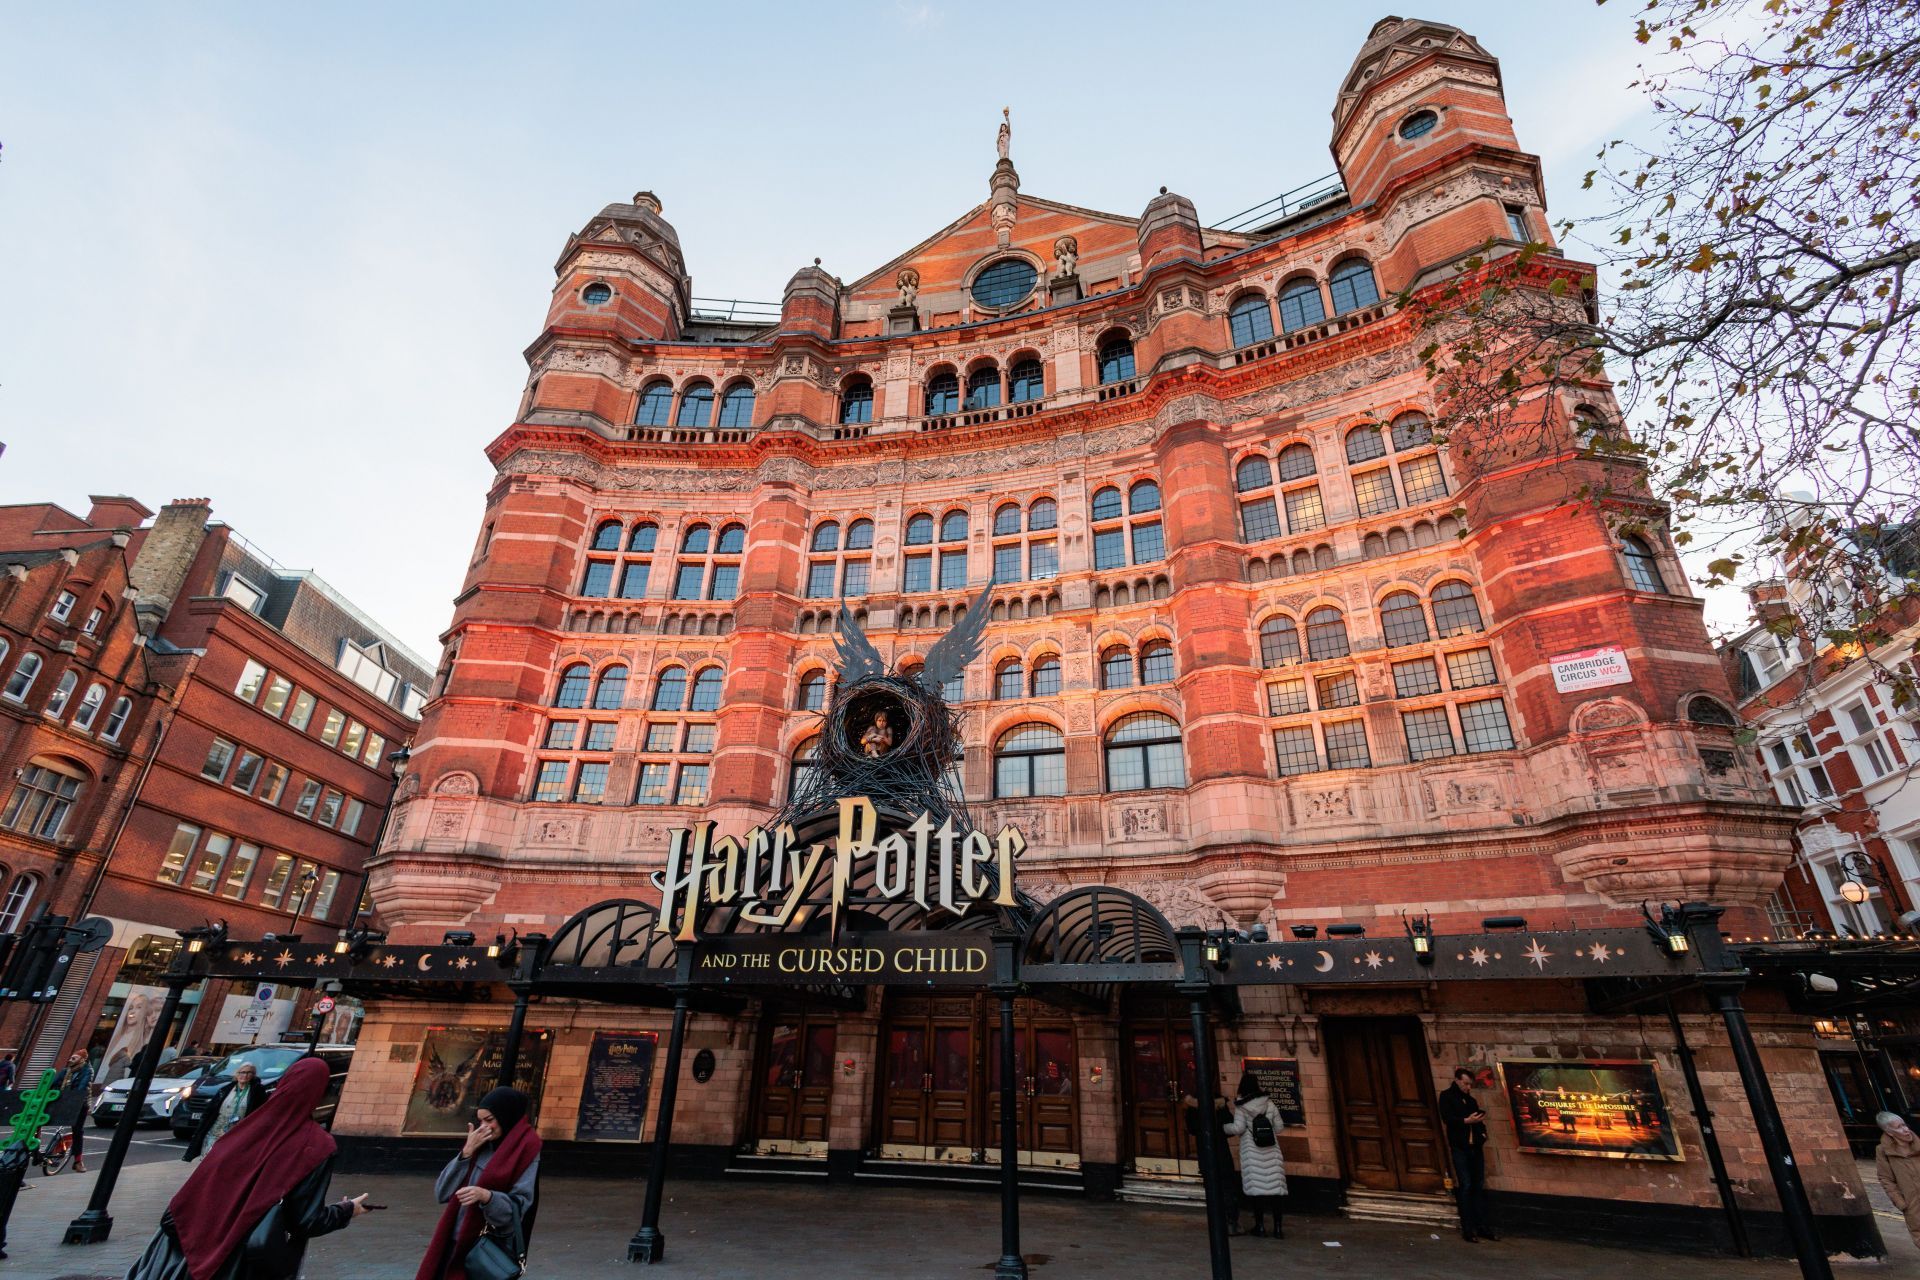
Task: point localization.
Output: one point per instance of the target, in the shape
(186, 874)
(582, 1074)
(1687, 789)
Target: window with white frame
(1873, 751)
(1798, 775)
(360, 666)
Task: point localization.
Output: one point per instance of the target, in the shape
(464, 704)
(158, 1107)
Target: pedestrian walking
(1225, 1176)
(78, 1078)
(491, 1186)
(249, 1209)
(8, 1070)
(1898, 1164)
(1466, 1126)
(242, 1095)
(1263, 1171)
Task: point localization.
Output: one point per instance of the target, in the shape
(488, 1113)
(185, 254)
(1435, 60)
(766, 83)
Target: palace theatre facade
(1259, 650)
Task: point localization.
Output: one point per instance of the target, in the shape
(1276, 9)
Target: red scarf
(254, 1167)
(518, 1149)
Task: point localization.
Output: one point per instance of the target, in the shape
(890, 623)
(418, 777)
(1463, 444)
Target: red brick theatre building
(1258, 650)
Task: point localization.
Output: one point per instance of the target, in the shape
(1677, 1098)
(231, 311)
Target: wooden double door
(793, 1084)
(1390, 1132)
(939, 1080)
(1158, 1059)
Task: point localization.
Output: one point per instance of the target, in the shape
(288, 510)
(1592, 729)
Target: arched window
(1250, 320)
(733, 540)
(1326, 634)
(954, 687)
(1301, 306)
(89, 709)
(1046, 677)
(1279, 642)
(574, 683)
(1364, 444)
(41, 799)
(1042, 515)
(696, 405)
(920, 530)
(1296, 462)
(1253, 472)
(117, 719)
(1008, 680)
(656, 405)
(696, 541)
(813, 691)
(1704, 710)
(826, 536)
(706, 690)
(1411, 431)
(1030, 760)
(13, 912)
(607, 536)
(1402, 620)
(643, 537)
(1116, 667)
(670, 690)
(860, 535)
(1454, 609)
(953, 527)
(611, 693)
(1156, 662)
(1143, 751)
(983, 387)
(804, 756)
(1643, 569)
(1144, 497)
(62, 693)
(1352, 286)
(856, 402)
(1026, 380)
(1116, 359)
(736, 409)
(1106, 504)
(1006, 520)
(943, 393)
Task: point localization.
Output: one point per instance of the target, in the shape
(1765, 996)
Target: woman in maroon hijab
(276, 1162)
(491, 1183)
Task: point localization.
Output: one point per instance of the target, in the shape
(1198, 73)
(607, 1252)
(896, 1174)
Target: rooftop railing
(734, 311)
(1283, 206)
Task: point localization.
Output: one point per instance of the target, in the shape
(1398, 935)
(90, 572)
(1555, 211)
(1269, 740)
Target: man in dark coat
(1466, 1127)
(78, 1078)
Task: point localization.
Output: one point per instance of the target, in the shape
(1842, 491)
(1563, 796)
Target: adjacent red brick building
(192, 733)
(1260, 649)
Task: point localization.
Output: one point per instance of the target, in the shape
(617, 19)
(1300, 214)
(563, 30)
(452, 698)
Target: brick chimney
(1769, 601)
(160, 570)
(116, 511)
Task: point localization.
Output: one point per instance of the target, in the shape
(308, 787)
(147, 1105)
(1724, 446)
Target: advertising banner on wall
(139, 1013)
(1590, 669)
(457, 1066)
(1606, 1107)
(613, 1097)
(1280, 1080)
(256, 1017)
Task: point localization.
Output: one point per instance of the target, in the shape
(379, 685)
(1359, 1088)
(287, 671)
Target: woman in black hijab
(491, 1182)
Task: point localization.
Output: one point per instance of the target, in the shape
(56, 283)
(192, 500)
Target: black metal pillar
(648, 1244)
(1012, 1266)
(95, 1224)
(1195, 987)
(1736, 1225)
(516, 1028)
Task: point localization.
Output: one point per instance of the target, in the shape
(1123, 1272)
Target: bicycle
(54, 1151)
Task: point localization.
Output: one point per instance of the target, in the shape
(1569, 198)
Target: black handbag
(499, 1254)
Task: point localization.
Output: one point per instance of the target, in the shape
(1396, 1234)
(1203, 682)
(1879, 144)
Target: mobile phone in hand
(371, 1207)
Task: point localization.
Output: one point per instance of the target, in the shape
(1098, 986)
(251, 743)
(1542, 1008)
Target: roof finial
(1005, 141)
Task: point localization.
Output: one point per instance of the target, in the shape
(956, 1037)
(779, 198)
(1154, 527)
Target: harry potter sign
(769, 877)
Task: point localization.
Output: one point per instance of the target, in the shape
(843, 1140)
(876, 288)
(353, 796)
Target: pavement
(731, 1229)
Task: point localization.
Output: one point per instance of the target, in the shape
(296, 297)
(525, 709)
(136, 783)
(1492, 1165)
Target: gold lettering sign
(771, 878)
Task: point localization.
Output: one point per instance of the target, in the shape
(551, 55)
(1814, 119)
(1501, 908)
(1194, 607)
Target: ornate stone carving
(1601, 714)
(1183, 905)
(1138, 822)
(908, 282)
(1474, 793)
(447, 824)
(1328, 804)
(459, 783)
(1066, 254)
(565, 830)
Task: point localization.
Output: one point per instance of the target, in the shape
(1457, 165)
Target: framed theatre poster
(1280, 1080)
(1606, 1107)
(613, 1097)
(457, 1066)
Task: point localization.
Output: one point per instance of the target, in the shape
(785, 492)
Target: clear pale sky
(288, 258)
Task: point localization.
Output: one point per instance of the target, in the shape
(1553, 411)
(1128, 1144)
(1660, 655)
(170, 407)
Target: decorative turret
(811, 304)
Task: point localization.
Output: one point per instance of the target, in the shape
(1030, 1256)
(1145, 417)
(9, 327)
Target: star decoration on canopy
(463, 963)
(246, 957)
(1600, 951)
(1536, 954)
(284, 959)
(389, 961)
(1273, 963)
(1478, 956)
(1373, 960)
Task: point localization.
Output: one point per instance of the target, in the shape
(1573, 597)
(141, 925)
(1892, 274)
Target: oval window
(1005, 283)
(596, 294)
(1420, 122)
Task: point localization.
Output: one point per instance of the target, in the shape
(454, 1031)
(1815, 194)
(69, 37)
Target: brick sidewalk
(719, 1230)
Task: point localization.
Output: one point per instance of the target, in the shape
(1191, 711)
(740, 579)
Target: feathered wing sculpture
(858, 658)
(958, 647)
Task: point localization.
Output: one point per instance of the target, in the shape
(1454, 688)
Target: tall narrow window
(1030, 760)
(1402, 620)
(943, 393)
(1455, 611)
(611, 692)
(983, 388)
(21, 681)
(1326, 634)
(1279, 642)
(670, 690)
(656, 405)
(1143, 751)
(1250, 320)
(1301, 306)
(1026, 381)
(736, 408)
(1643, 569)
(574, 683)
(1352, 287)
(1116, 359)
(696, 406)
(856, 402)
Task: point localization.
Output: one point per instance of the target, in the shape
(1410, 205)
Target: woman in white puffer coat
(1263, 1171)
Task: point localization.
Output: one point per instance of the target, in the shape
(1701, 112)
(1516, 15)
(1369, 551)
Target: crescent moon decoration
(424, 966)
(1326, 962)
